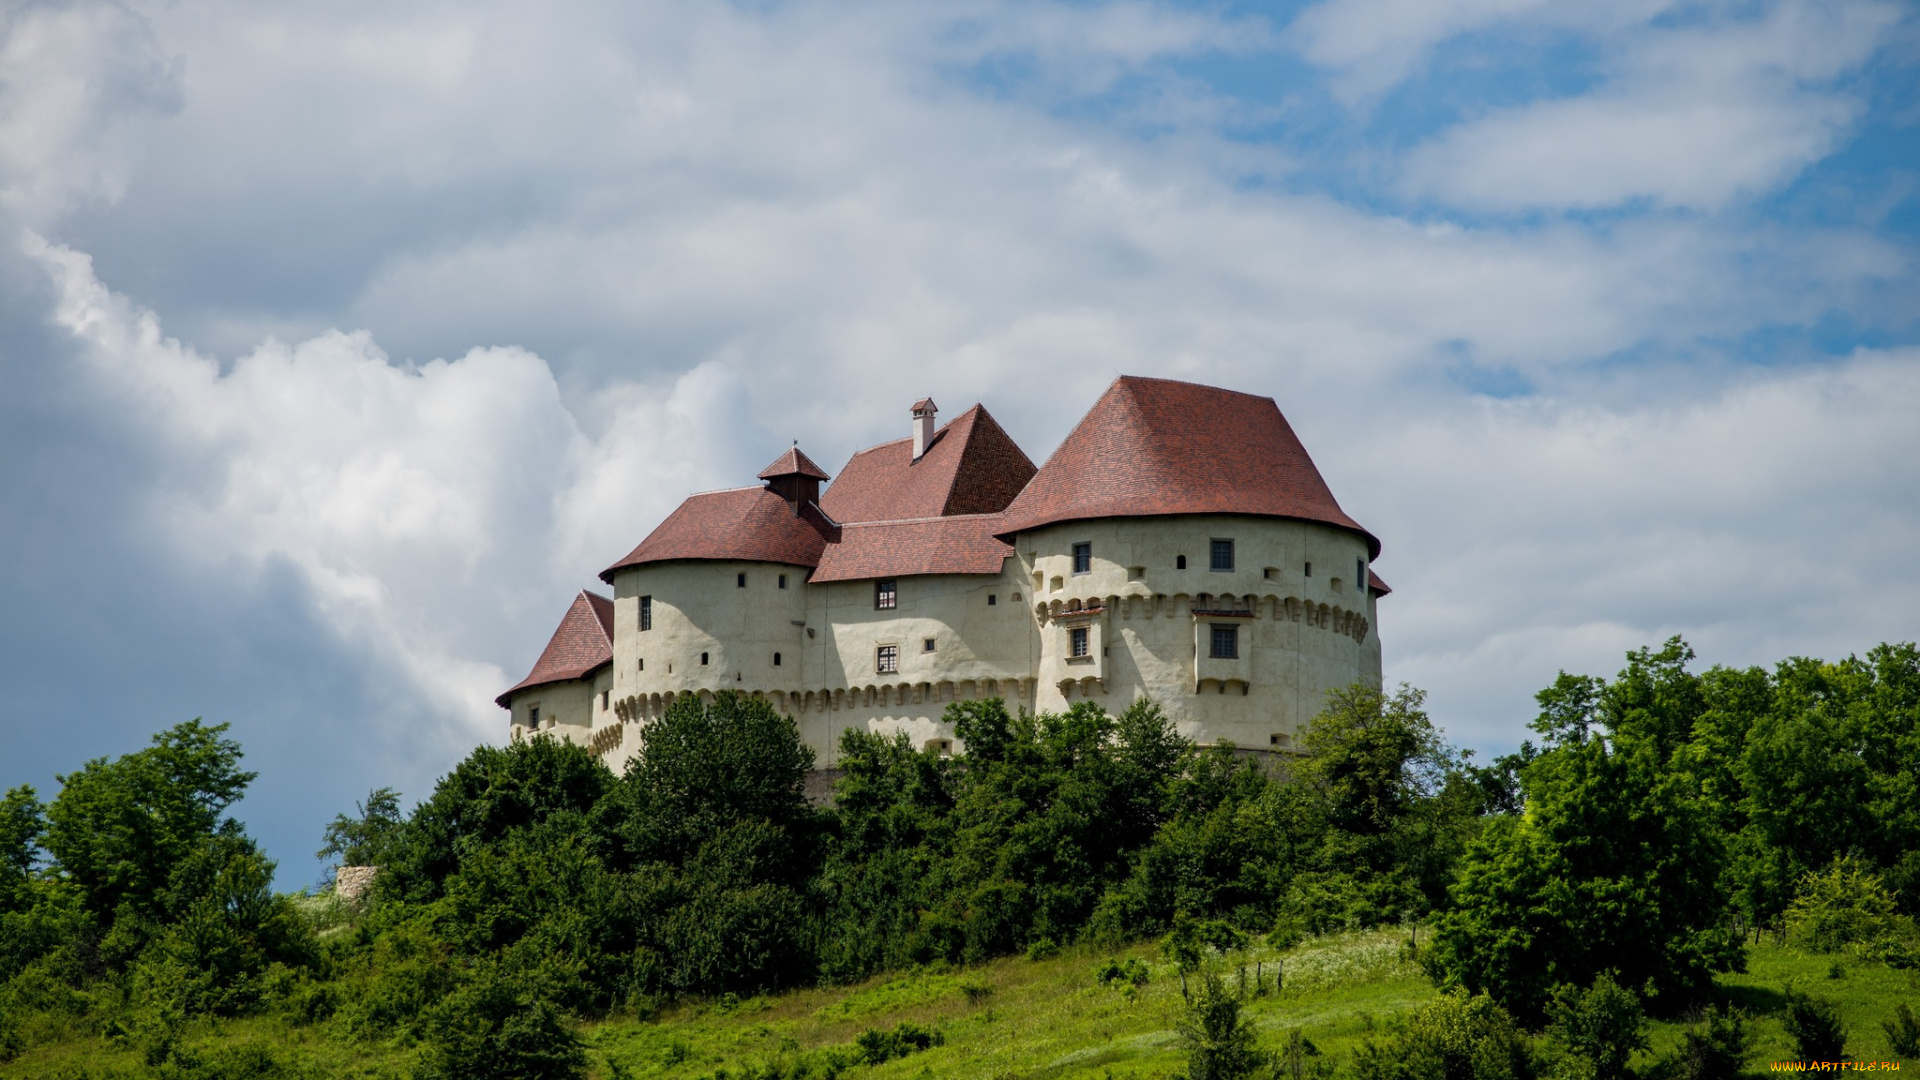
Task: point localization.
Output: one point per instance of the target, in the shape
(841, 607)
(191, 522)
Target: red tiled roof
(1378, 587)
(747, 524)
(962, 544)
(925, 404)
(582, 645)
(972, 466)
(1155, 446)
(793, 463)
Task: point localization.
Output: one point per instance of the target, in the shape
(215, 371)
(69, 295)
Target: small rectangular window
(703, 659)
(1223, 555)
(1309, 569)
(603, 699)
(776, 659)
(1082, 558)
(643, 663)
(992, 599)
(740, 581)
(929, 646)
(783, 581)
(1077, 640)
(886, 659)
(1226, 642)
(646, 613)
(1360, 575)
(886, 595)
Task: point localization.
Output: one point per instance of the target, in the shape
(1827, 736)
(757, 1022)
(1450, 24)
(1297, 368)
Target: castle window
(1360, 575)
(886, 659)
(1309, 569)
(1222, 555)
(643, 663)
(740, 581)
(1226, 642)
(1279, 740)
(1083, 558)
(703, 659)
(533, 716)
(776, 659)
(886, 595)
(1077, 641)
(929, 646)
(783, 581)
(603, 699)
(646, 613)
(1179, 562)
(992, 599)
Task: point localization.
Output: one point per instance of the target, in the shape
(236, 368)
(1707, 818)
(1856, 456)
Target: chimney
(923, 413)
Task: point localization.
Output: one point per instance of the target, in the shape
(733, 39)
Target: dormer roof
(1152, 447)
(793, 463)
(971, 466)
(581, 646)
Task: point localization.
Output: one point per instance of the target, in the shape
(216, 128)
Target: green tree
(364, 840)
(1616, 865)
(22, 821)
(117, 829)
(486, 797)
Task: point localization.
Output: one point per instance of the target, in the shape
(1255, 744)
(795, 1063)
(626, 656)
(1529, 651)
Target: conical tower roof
(1152, 447)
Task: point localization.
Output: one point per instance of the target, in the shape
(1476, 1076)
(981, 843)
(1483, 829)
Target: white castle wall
(1301, 635)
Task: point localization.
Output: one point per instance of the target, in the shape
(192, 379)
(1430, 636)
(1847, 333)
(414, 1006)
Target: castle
(1179, 545)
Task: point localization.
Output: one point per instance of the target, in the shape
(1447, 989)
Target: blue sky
(340, 346)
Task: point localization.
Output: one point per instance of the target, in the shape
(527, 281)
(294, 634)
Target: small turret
(794, 477)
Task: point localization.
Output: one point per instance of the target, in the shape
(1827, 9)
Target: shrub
(1714, 1047)
(1846, 908)
(1814, 1025)
(878, 1046)
(1602, 1026)
(1220, 1043)
(1903, 1032)
(497, 1027)
(1455, 1038)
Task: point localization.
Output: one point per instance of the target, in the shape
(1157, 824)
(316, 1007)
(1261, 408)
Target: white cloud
(78, 84)
(1693, 116)
(439, 515)
(1777, 517)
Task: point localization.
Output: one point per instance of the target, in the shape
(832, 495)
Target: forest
(1659, 827)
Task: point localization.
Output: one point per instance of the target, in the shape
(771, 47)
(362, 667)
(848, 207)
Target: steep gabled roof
(745, 524)
(962, 544)
(1151, 447)
(971, 466)
(1378, 587)
(582, 645)
(793, 463)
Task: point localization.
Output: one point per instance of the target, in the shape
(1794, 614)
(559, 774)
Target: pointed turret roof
(582, 645)
(1152, 447)
(793, 463)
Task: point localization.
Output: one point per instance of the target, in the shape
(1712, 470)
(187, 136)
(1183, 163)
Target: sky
(341, 344)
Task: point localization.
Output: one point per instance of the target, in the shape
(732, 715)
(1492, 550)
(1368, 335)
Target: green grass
(1040, 1019)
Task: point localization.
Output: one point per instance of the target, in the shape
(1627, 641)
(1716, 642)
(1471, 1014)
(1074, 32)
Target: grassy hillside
(1010, 1018)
